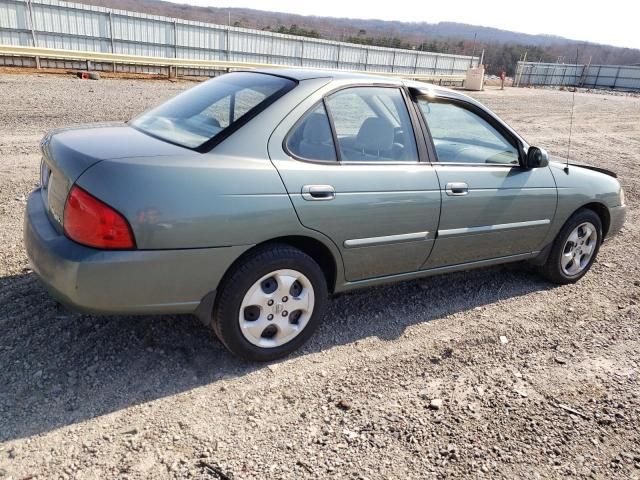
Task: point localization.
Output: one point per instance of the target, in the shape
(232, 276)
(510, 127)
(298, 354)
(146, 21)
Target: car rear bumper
(616, 222)
(121, 282)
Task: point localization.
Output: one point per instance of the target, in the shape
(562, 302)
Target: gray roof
(301, 74)
(307, 74)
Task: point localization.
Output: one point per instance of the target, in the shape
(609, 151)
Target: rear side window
(311, 139)
(198, 115)
(372, 125)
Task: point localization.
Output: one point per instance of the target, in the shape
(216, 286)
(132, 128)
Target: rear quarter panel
(209, 201)
(232, 195)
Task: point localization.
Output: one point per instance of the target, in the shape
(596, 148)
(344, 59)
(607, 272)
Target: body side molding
(372, 241)
(492, 228)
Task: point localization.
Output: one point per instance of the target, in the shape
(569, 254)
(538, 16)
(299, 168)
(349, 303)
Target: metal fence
(613, 77)
(54, 24)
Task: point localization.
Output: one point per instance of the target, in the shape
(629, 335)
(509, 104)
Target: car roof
(301, 74)
(310, 73)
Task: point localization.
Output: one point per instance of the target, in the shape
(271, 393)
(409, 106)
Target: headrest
(316, 128)
(375, 134)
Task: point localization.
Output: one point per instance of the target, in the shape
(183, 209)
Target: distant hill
(502, 47)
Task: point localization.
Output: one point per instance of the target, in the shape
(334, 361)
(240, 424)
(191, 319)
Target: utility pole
(227, 40)
(473, 51)
(33, 31)
(520, 70)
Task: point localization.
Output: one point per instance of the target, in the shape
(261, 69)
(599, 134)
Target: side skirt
(348, 286)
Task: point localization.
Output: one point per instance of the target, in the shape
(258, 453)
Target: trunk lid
(68, 152)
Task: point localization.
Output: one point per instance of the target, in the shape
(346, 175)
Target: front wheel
(270, 303)
(574, 249)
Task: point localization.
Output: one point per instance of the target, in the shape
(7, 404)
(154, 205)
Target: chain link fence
(610, 77)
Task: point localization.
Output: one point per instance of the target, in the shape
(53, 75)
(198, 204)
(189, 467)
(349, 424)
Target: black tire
(552, 268)
(242, 276)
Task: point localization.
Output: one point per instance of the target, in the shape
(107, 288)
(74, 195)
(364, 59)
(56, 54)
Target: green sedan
(250, 198)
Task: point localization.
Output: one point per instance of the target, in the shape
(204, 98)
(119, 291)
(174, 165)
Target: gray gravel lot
(485, 374)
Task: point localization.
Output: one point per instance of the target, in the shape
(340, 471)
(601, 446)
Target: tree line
(498, 56)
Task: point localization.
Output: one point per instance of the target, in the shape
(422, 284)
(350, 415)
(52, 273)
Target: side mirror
(536, 158)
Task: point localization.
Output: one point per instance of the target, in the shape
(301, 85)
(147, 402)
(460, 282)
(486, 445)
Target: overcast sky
(613, 23)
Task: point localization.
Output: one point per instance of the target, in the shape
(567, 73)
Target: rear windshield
(196, 116)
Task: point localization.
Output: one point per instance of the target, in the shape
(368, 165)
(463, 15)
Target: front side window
(372, 124)
(201, 113)
(311, 139)
(461, 136)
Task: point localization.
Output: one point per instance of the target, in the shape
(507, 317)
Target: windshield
(198, 115)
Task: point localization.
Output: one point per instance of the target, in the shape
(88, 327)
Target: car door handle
(318, 192)
(457, 188)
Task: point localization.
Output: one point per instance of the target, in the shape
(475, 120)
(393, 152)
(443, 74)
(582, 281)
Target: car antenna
(573, 103)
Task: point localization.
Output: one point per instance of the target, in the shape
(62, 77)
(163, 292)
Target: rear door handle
(457, 188)
(318, 192)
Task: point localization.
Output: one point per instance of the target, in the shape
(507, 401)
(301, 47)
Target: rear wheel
(575, 248)
(270, 303)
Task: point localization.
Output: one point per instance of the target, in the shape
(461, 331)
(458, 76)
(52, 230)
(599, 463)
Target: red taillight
(91, 222)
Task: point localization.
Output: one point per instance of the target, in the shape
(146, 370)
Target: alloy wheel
(578, 249)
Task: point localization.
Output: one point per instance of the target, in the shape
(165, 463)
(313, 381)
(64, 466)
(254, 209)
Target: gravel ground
(486, 374)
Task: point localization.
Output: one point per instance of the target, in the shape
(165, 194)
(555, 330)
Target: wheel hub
(276, 308)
